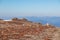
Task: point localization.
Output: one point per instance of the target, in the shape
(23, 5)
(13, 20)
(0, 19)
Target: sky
(10, 8)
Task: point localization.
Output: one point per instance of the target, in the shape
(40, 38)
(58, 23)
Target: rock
(22, 29)
(17, 19)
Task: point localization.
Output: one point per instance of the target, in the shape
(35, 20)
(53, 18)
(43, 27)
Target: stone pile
(22, 29)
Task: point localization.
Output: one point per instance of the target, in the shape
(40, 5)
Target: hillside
(22, 29)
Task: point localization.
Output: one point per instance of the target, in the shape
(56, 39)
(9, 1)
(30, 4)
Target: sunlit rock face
(22, 29)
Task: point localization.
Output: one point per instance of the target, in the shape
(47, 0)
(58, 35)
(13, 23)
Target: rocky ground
(22, 29)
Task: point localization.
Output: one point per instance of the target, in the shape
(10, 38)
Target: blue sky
(29, 8)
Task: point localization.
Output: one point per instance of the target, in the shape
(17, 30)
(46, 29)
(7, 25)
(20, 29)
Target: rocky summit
(22, 29)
